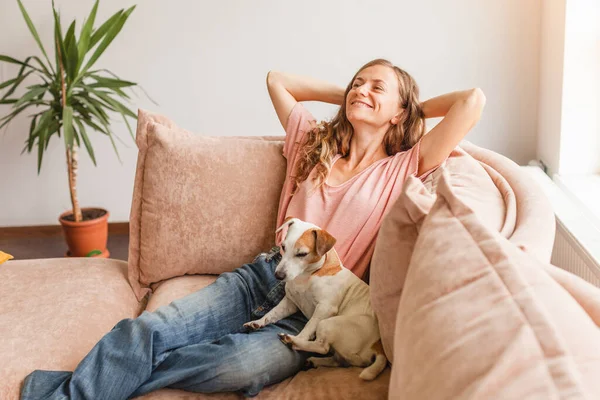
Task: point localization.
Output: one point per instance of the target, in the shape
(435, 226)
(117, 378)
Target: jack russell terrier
(336, 302)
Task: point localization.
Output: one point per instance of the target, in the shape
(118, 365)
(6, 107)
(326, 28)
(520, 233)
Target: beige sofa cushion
(393, 250)
(172, 289)
(482, 188)
(53, 311)
(481, 319)
(535, 224)
(200, 204)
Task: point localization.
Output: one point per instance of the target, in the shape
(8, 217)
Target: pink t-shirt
(353, 211)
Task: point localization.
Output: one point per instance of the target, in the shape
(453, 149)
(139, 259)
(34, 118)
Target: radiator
(568, 254)
(577, 241)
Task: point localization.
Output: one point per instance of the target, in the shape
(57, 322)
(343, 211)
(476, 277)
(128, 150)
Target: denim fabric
(196, 343)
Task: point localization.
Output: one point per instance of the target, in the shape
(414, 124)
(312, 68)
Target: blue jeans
(196, 343)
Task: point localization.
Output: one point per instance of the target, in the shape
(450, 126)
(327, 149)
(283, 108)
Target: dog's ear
(286, 222)
(323, 241)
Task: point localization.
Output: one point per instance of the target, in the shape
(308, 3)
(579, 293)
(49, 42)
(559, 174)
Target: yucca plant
(69, 97)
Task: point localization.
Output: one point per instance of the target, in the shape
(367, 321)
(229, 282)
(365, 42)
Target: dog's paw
(286, 339)
(253, 325)
(308, 364)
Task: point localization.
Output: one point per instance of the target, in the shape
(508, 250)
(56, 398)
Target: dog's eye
(301, 254)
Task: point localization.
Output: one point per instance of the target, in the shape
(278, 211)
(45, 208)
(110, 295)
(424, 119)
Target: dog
(336, 302)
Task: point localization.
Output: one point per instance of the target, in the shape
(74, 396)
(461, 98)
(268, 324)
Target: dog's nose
(280, 275)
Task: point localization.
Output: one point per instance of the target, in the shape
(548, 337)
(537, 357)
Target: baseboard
(114, 228)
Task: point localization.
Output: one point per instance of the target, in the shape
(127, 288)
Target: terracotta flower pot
(88, 235)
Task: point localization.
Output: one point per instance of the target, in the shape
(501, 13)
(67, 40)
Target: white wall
(205, 63)
(552, 50)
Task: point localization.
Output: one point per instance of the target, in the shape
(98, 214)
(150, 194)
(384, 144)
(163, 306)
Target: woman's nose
(362, 90)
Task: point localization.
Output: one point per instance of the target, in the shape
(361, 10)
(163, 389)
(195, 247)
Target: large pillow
(481, 319)
(201, 205)
(478, 185)
(481, 188)
(393, 249)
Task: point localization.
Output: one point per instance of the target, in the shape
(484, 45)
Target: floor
(55, 246)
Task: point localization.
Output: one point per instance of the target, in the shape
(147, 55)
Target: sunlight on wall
(580, 125)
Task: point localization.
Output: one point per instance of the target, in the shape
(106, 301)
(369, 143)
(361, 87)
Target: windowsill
(583, 190)
(569, 209)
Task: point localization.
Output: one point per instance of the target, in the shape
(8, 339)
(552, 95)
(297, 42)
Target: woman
(343, 176)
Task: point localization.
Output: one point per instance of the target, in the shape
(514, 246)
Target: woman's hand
(287, 89)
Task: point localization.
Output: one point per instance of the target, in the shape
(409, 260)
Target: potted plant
(71, 98)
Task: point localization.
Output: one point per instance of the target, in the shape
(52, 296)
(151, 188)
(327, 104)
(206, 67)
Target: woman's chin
(357, 119)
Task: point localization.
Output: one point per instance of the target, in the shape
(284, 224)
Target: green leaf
(59, 44)
(8, 101)
(45, 69)
(10, 116)
(30, 140)
(8, 83)
(114, 146)
(109, 82)
(29, 96)
(100, 32)
(128, 127)
(85, 35)
(25, 63)
(76, 136)
(121, 93)
(10, 60)
(95, 109)
(86, 140)
(70, 35)
(115, 104)
(112, 32)
(40, 130)
(67, 118)
(94, 126)
(53, 127)
(93, 253)
(72, 56)
(16, 84)
(32, 29)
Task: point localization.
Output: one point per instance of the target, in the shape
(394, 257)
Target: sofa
(196, 197)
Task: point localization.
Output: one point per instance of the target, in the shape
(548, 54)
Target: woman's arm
(461, 111)
(287, 89)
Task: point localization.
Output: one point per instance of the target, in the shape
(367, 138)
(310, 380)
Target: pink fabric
(353, 211)
(397, 238)
(481, 319)
(53, 311)
(201, 204)
(164, 292)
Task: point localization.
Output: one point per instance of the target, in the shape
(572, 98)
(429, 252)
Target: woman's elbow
(475, 102)
(476, 98)
(272, 77)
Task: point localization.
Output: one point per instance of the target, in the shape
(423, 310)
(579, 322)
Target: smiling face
(302, 249)
(374, 97)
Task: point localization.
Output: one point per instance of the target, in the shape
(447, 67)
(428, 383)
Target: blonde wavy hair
(330, 138)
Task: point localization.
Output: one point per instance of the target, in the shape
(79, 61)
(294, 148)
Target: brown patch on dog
(307, 241)
(331, 266)
(377, 347)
